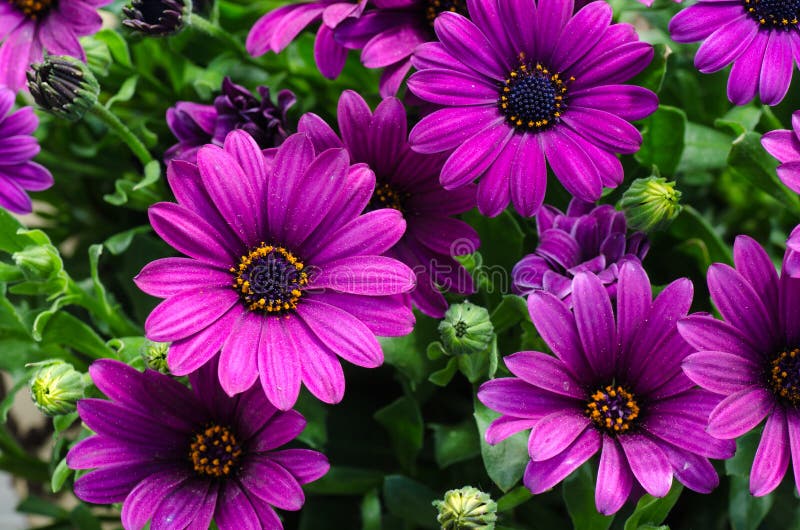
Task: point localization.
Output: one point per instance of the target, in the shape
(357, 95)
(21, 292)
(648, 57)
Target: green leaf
(749, 161)
(316, 414)
(652, 510)
(38, 506)
(116, 45)
(505, 462)
(704, 148)
(125, 92)
(9, 241)
(578, 493)
(64, 422)
(63, 328)
(455, 443)
(402, 419)
(371, 511)
(152, 172)
(342, 480)
(663, 139)
(514, 498)
(746, 512)
(691, 227)
(83, 518)
(408, 353)
(119, 243)
(445, 375)
(652, 77)
(60, 475)
(8, 400)
(739, 120)
(741, 462)
(511, 311)
(410, 501)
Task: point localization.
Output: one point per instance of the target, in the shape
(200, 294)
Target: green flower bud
(56, 387)
(38, 261)
(155, 355)
(64, 86)
(651, 204)
(467, 508)
(466, 329)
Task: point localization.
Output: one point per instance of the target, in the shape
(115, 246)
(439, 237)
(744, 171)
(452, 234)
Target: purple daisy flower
(759, 37)
(409, 183)
(615, 385)
(752, 358)
(275, 30)
(524, 83)
(283, 273)
(17, 147)
(587, 238)
(31, 26)
(389, 33)
(178, 457)
(195, 125)
(785, 146)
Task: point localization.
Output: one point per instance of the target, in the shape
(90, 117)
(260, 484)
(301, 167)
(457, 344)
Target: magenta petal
(452, 88)
(648, 463)
(571, 165)
(594, 318)
(528, 176)
(726, 44)
(782, 144)
(744, 77)
(291, 161)
(146, 497)
(238, 362)
(113, 483)
(189, 233)
(789, 173)
(464, 41)
(100, 451)
(244, 149)
(506, 426)
(169, 276)
(556, 324)
(793, 427)
(365, 275)
(180, 507)
(234, 509)
(448, 128)
(344, 334)
(755, 265)
(474, 156)
(772, 456)
(555, 432)
(281, 429)
(693, 471)
(740, 412)
(723, 373)
(707, 333)
(512, 396)
(321, 370)
(279, 361)
(187, 355)
(614, 478)
(188, 312)
(541, 476)
(545, 372)
(634, 298)
(776, 74)
(304, 465)
(321, 134)
(272, 483)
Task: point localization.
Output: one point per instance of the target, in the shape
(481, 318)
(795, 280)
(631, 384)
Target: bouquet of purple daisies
(399, 264)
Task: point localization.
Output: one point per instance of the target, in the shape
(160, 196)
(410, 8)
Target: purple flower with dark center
(196, 125)
(18, 173)
(31, 26)
(284, 274)
(389, 33)
(752, 358)
(275, 30)
(615, 386)
(587, 238)
(180, 458)
(409, 183)
(759, 37)
(524, 83)
(785, 146)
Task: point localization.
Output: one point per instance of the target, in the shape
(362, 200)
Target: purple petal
(545, 372)
(506, 426)
(494, 189)
(145, 498)
(772, 455)
(528, 177)
(452, 88)
(648, 463)
(723, 373)
(707, 333)
(726, 44)
(101, 451)
(694, 472)
(775, 78)
(541, 476)
(793, 428)
(555, 432)
(169, 276)
(278, 357)
(321, 370)
(188, 312)
(594, 319)
(304, 465)
(603, 129)
(192, 235)
(113, 483)
(281, 429)
(234, 509)
(743, 80)
(291, 161)
(614, 478)
(626, 101)
(517, 398)
(464, 41)
(571, 165)
(556, 325)
(320, 133)
(328, 54)
(365, 275)
(634, 298)
(741, 412)
(697, 22)
(474, 156)
(446, 129)
(180, 507)
(782, 144)
(187, 355)
(580, 34)
(238, 362)
(385, 316)
(272, 483)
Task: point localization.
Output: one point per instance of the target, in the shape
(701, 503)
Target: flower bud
(64, 86)
(466, 329)
(157, 17)
(56, 387)
(467, 508)
(39, 261)
(155, 355)
(651, 204)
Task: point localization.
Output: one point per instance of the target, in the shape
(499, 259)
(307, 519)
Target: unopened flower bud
(56, 387)
(466, 329)
(157, 17)
(64, 86)
(651, 204)
(467, 508)
(155, 355)
(39, 261)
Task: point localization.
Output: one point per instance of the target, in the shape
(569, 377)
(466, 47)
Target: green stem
(119, 325)
(212, 30)
(133, 141)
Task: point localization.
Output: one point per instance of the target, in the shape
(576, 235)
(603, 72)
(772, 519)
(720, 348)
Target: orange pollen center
(783, 376)
(612, 409)
(214, 452)
(33, 8)
(269, 279)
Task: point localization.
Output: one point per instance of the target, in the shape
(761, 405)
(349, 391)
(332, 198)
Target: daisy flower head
(18, 173)
(282, 272)
(29, 27)
(614, 386)
(752, 359)
(179, 458)
(585, 238)
(409, 183)
(525, 86)
(759, 37)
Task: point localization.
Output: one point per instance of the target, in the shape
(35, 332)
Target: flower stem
(215, 31)
(133, 141)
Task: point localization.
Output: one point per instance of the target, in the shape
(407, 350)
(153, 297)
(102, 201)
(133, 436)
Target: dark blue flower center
(214, 452)
(612, 409)
(533, 98)
(385, 196)
(269, 279)
(783, 376)
(778, 14)
(33, 9)
(435, 7)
